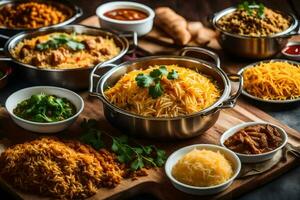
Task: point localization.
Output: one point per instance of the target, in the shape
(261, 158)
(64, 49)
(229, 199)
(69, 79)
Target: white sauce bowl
(39, 127)
(141, 27)
(177, 155)
(254, 158)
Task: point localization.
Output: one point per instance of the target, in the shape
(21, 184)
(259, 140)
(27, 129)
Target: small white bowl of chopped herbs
(44, 109)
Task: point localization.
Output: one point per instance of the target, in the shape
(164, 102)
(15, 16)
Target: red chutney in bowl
(292, 50)
(126, 14)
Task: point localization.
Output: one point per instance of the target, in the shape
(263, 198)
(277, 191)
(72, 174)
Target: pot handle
(211, 54)
(134, 40)
(2, 55)
(4, 37)
(93, 75)
(231, 101)
(210, 18)
(78, 11)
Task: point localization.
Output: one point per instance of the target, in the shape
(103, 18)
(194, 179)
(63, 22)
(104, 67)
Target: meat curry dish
(65, 50)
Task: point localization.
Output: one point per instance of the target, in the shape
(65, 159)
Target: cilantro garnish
(156, 90)
(172, 75)
(143, 80)
(251, 7)
(57, 41)
(136, 157)
(153, 80)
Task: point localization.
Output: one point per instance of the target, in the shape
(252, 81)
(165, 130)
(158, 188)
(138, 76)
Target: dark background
(285, 187)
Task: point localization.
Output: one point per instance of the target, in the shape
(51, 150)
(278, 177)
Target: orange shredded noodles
(190, 93)
(273, 80)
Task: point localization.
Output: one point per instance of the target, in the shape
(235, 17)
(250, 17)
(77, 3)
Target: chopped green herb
(136, 157)
(158, 73)
(172, 75)
(143, 80)
(251, 7)
(261, 10)
(91, 135)
(57, 41)
(156, 90)
(45, 108)
(152, 81)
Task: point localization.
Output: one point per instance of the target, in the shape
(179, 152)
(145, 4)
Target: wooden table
(192, 10)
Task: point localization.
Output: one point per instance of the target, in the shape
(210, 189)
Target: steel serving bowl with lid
(66, 6)
(68, 78)
(250, 46)
(166, 128)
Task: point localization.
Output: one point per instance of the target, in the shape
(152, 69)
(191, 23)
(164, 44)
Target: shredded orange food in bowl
(275, 80)
(191, 92)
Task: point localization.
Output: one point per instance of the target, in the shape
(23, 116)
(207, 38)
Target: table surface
(285, 187)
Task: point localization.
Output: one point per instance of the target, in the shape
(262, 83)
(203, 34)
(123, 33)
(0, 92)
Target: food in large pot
(64, 56)
(254, 31)
(165, 96)
(17, 15)
(65, 50)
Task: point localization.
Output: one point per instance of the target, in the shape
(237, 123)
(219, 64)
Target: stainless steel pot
(253, 47)
(75, 79)
(73, 11)
(166, 128)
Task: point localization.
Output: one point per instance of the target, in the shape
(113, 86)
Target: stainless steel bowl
(253, 47)
(166, 128)
(68, 78)
(244, 92)
(72, 10)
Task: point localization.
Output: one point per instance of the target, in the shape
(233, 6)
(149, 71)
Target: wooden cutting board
(156, 182)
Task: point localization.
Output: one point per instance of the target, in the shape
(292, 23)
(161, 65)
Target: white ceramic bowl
(254, 158)
(141, 27)
(53, 127)
(174, 157)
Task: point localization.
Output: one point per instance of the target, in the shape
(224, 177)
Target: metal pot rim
(76, 13)
(15, 39)
(226, 11)
(211, 109)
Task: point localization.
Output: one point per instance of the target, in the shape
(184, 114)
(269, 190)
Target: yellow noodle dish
(65, 51)
(275, 80)
(164, 91)
(203, 168)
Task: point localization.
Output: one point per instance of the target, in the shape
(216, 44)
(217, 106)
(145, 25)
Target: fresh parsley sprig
(250, 7)
(153, 80)
(136, 157)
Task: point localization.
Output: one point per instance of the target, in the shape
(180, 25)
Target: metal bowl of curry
(17, 15)
(253, 36)
(64, 56)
